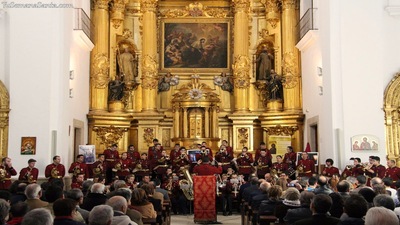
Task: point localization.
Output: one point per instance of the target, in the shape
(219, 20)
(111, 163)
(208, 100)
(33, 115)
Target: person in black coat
(95, 197)
(303, 212)
(320, 207)
(355, 208)
(63, 211)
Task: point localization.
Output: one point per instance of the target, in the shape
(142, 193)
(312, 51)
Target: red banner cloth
(204, 188)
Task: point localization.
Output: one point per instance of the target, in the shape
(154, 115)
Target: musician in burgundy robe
(244, 162)
(78, 167)
(205, 169)
(305, 166)
(279, 166)
(290, 157)
(263, 164)
(133, 154)
(29, 174)
(392, 171)
(111, 156)
(56, 170)
(6, 171)
(224, 157)
(99, 167)
(123, 166)
(329, 169)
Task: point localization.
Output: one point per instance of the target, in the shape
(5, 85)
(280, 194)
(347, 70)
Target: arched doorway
(392, 108)
(4, 113)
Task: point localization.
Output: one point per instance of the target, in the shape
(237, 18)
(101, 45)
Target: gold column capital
(149, 72)
(100, 73)
(272, 14)
(289, 4)
(148, 5)
(118, 12)
(241, 68)
(101, 4)
(241, 5)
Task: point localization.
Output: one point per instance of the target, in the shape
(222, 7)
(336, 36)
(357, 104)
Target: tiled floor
(186, 220)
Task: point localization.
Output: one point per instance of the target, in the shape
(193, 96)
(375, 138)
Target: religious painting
(364, 142)
(195, 44)
(88, 152)
(28, 146)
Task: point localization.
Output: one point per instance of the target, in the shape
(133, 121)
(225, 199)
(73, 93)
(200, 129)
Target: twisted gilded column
(99, 74)
(149, 63)
(241, 63)
(290, 61)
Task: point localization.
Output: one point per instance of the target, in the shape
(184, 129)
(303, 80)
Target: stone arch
(392, 114)
(4, 119)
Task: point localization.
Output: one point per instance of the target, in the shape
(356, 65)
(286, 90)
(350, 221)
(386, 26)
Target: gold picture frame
(28, 145)
(198, 45)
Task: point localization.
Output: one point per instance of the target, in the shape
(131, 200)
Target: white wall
(42, 52)
(358, 45)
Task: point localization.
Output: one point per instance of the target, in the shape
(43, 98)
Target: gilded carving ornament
(127, 34)
(272, 11)
(148, 5)
(290, 78)
(100, 67)
(148, 136)
(149, 73)
(281, 130)
(241, 5)
(109, 135)
(241, 67)
(195, 91)
(101, 4)
(195, 10)
(243, 136)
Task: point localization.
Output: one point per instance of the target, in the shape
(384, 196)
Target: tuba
(138, 167)
(274, 173)
(3, 174)
(186, 185)
(77, 170)
(98, 170)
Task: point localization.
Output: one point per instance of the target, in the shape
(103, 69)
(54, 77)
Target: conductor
(205, 169)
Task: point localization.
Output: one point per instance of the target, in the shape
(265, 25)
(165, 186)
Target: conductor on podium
(204, 168)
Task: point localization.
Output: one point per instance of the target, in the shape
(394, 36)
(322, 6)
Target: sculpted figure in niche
(275, 89)
(264, 64)
(166, 81)
(116, 89)
(128, 64)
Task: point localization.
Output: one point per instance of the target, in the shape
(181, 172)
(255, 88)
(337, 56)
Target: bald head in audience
(381, 216)
(101, 215)
(38, 216)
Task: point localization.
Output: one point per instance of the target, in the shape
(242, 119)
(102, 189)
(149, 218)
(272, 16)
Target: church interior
(316, 75)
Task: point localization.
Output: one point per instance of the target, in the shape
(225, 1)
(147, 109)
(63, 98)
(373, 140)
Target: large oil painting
(195, 45)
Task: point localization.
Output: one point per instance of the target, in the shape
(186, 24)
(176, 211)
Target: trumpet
(349, 167)
(183, 156)
(366, 166)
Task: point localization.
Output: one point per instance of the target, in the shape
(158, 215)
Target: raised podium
(204, 188)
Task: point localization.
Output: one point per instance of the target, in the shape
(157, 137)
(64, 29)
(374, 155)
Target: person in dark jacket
(303, 212)
(320, 207)
(355, 208)
(63, 212)
(95, 197)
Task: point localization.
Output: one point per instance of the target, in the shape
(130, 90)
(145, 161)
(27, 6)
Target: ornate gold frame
(208, 21)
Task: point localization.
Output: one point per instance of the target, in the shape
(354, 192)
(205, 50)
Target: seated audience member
(383, 200)
(52, 194)
(77, 195)
(157, 184)
(355, 208)
(95, 197)
(381, 216)
(33, 193)
(322, 187)
(38, 216)
(6, 195)
(101, 215)
(4, 211)
(17, 190)
(267, 207)
(17, 212)
(291, 201)
(337, 205)
(141, 204)
(87, 184)
(397, 209)
(343, 188)
(253, 188)
(312, 184)
(303, 212)
(368, 195)
(64, 210)
(134, 215)
(388, 182)
(361, 183)
(256, 201)
(320, 206)
(149, 189)
(119, 206)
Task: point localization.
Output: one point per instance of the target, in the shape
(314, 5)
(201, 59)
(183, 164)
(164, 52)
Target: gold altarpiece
(392, 118)
(195, 109)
